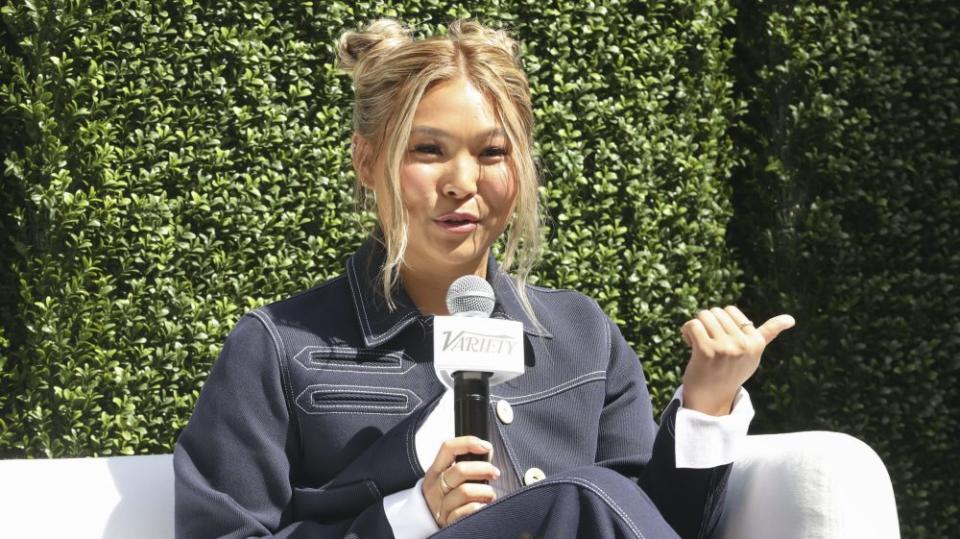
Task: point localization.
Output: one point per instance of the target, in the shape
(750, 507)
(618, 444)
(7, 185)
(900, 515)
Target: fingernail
(496, 472)
(486, 445)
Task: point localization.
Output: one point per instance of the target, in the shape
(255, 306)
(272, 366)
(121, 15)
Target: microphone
(473, 351)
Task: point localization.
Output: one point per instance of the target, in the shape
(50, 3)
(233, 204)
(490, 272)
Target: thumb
(771, 328)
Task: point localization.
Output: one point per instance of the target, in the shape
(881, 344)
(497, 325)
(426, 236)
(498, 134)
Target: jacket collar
(379, 324)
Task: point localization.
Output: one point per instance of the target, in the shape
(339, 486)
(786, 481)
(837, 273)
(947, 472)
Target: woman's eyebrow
(440, 133)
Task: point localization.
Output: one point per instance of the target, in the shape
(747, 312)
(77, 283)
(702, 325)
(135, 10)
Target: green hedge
(633, 104)
(847, 214)
(168, 166)
(175, 165)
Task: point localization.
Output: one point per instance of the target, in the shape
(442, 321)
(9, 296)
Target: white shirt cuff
(408, 514)
(437, 427)
(706, 441)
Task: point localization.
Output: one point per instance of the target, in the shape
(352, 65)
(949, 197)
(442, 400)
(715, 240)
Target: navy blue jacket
(309, 415)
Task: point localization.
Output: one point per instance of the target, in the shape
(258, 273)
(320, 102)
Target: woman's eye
(495, 151)
(431, 149)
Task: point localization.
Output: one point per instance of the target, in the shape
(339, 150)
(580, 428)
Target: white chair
(809, 485)
(784, 486)
(87, 498)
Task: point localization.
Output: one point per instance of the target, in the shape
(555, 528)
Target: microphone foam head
(470, 296)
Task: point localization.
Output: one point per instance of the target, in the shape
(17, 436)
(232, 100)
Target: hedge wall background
(847, 214)
(168, 166)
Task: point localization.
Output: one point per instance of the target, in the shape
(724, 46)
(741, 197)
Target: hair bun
(461, 29)
(381, 34)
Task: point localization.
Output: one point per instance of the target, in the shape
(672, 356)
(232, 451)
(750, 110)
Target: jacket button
(533, 475)
(504, 412)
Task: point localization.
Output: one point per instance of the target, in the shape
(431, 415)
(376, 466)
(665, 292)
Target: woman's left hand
(725, 352)
(454, 489)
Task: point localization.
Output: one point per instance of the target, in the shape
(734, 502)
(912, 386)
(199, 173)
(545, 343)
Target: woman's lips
(458, 226)
(457, 222)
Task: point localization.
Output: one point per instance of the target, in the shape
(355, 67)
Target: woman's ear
(361, 156)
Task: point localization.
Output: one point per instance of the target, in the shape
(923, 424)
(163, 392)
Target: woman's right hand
(450, 488)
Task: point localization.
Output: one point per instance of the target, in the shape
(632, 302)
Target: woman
(323, 416)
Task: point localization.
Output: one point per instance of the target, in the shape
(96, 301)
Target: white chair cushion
(108, 498)
(798, 485)
(809, 485)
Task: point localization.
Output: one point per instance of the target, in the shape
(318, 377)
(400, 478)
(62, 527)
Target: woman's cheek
(418, 179)
(503, 188)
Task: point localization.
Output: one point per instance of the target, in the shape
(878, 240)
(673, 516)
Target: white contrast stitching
(373, 488)
(605, 497)
(281, 352)
(583, 483)
(361, 408)
(609, 336)
(548, 290)
(509, 450)
(540, 332)
(383, 406)
(411, 445)
(358, 298)
(346, 352)
(569, 384)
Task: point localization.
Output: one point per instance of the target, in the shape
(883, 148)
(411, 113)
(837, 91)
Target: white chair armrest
(797, 485)
(808, 485)
(95, 498)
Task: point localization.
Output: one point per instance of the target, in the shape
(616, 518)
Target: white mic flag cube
(479, 345)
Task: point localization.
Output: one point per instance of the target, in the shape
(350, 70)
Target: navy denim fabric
(309, 415)
(587, 502)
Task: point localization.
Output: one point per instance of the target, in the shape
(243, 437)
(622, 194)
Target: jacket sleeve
(234, 462)
(689, 499)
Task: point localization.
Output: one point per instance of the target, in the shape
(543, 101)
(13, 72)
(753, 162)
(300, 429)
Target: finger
(710, 322)
(454, 447)
(463, 511)
(771, 328)
(726, 321)
(470, 470)
(742, 321)
(685, 332)
(458, 502)
(697, 332)
(469, 492)
(746, 326)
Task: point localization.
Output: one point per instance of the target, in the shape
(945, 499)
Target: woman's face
(456, 181)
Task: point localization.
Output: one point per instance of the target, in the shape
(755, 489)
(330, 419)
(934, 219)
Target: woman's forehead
(455, 106)
(437, 132)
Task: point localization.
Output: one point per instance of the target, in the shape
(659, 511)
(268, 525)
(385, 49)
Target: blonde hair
(391, 72)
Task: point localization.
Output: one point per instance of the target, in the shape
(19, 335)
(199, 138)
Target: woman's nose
(461, 180)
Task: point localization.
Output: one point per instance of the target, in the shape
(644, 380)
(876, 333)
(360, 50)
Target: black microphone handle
(471, 394)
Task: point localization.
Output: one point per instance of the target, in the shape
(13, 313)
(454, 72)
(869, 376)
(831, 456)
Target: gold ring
(745, 324)
(444, 487)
